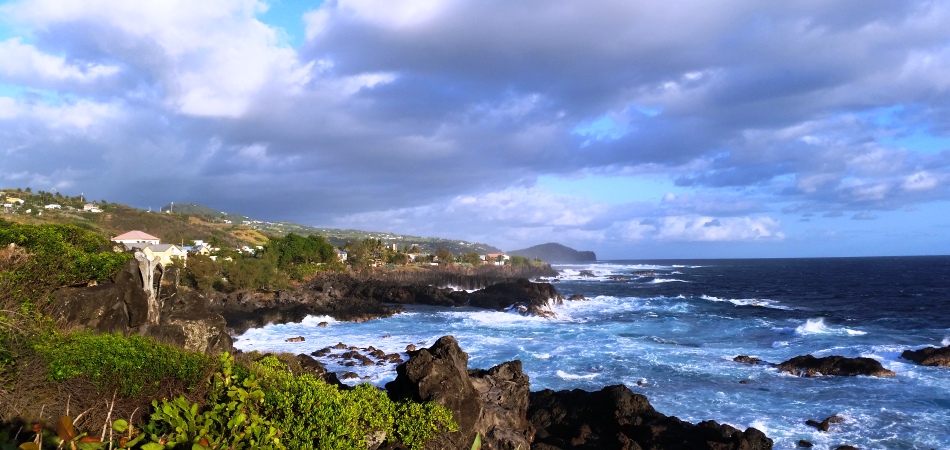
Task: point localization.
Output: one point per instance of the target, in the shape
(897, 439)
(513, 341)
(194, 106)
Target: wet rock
(350, 376)
(490, 403)
(411, 348)
(295, 339)
(804, 443)
(744, 359)
(339, 346)
(323, 324)
(930, 356)
(577, 298)
(322, 352)
(615, 417)
(810, 366)
(532, 299)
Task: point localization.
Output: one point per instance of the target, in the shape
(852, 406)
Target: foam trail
(817, 326)
(569, 376)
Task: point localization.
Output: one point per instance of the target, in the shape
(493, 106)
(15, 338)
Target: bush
(313, 414)
(132, 365)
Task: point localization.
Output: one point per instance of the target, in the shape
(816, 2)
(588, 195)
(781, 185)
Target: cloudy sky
(638, 129)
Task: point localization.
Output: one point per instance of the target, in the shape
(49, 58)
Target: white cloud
(700, 228)
(217, 55)
(920, 181)
(24, 63)
(80, 115)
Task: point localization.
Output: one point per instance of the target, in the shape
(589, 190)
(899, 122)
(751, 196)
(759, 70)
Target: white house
(340, 254)
(497, 259)
(53, 206)
(165, 253)
(91, 207)
(136, 237)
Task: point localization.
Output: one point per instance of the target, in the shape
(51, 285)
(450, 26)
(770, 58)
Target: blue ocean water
(672, 336)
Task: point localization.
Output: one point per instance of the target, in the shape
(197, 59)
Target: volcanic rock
(744, 359)
(615, 417)
(491, 403)
(122, 307)
(809, 366)
(930, 356)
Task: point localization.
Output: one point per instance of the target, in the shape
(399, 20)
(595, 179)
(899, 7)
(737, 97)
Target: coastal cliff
(497, 405)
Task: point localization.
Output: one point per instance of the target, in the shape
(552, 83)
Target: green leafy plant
(132, 365)
(232, 419)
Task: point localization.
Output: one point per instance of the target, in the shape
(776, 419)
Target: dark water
(671, 335)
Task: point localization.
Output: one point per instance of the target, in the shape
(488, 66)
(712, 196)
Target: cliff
(555, 253)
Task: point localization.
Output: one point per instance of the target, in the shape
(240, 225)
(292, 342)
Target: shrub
(313, 414)
(132, 365)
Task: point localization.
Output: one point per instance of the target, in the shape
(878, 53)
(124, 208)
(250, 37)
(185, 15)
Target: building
(91, 207)
(136, 237)
(165, 253)
(498, 259)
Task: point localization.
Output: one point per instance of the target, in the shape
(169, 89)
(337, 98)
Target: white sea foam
(818, 326)
(317, 320)
(569, 376)
(945, 342)
(760, 302)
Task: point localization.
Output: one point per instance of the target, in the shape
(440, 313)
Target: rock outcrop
(497, 405)
(534, 299)
(346, 297)
(615, 417)
(930, 356)
(182, 320)
(810, 366)
(491, 403)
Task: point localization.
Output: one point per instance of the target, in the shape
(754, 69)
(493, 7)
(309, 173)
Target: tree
(472, 258)
(202, 273)
(516, 260)
(446, 257)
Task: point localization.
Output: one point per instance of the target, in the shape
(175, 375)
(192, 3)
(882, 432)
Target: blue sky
(635, 129)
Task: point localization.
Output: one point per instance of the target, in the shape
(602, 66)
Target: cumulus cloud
(393, 112)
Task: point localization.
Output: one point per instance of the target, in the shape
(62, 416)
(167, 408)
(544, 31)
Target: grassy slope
(190, 222)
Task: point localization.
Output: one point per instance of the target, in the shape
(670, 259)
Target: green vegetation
(129, 365)
(203, 402)
(49, 256)
(314, 414)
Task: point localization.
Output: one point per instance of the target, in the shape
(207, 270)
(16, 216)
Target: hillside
(184, 222)
(555, 253)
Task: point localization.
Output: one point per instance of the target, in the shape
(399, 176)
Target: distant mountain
(555, 253)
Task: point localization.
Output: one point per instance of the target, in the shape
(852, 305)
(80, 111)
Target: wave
(665, 280)
(758, 302)
(945, 342)
(818, 326)
(569, 376)
(317, 320)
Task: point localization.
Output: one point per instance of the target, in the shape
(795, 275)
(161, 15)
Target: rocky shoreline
(359, 297)
(496, 403)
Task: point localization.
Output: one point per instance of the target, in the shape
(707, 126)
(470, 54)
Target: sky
(636, 129)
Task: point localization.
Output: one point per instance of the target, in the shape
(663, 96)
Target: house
(91, 207)
(165, 253)
(340, 254)
(14, 200)
(53, 206)
(136, 237)
(497, 259)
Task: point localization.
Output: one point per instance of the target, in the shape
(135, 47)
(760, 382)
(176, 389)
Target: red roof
(135, 235)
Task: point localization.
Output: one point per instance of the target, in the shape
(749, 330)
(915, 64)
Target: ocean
(669, 329)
